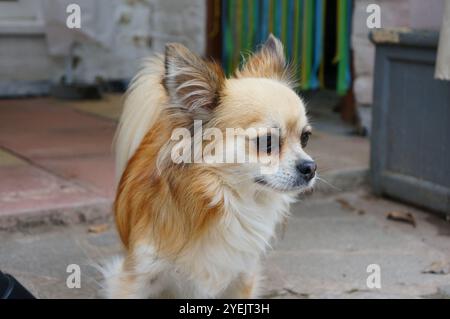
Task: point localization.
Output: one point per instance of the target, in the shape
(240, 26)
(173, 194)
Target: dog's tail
(144, 101)
(111, 281)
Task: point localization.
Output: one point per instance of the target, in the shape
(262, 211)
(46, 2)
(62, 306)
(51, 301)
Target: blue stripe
(317, 56)
(256, 23)
(224, 37)
(264, 20)
(279, 13)
(290, 28)
(245, 15)
(349, 32)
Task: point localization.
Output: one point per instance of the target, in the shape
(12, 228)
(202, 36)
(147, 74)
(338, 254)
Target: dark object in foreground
(76, 91)
(10, 288)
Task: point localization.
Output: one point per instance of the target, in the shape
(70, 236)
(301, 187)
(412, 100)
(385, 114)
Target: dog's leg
(244, 287)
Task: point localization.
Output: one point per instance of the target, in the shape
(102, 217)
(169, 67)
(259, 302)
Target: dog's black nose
(307, 169)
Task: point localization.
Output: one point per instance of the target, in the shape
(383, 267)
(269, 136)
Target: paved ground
(53, 159)
(323, 253)
(56, 181)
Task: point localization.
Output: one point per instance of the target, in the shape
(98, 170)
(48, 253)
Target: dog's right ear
(190, 81)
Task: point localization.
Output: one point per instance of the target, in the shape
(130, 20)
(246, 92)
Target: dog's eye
(305, 138)
(267, 143)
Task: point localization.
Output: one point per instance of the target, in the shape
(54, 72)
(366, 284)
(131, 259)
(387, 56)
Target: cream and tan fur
(200, 230)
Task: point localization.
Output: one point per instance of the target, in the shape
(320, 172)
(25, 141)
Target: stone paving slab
(9, 160)
(69, 134)
(25, 188)
(323, 253)
(109, 107)
(52, 159)
(92, 172)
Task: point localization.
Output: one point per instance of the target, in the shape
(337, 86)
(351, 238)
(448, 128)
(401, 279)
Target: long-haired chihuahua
(193, 227)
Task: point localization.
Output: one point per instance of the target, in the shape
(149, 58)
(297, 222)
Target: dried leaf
(402, 217)
(96, 229)
(345, 204)
(438, 268)
(296, 293)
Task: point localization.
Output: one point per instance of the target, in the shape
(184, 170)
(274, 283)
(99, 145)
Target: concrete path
(323, 252)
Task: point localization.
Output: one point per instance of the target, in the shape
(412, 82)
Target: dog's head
(257, 104)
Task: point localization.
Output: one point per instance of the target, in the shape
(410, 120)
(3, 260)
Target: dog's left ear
(268, 62)
(190, 81)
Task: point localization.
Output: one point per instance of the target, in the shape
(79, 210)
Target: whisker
(328, 183)
(326, 169)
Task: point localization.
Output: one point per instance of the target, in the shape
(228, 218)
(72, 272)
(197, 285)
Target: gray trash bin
(410, 153)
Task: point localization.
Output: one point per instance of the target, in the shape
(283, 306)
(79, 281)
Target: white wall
(415, 14)
(141, 27)
(141, 30)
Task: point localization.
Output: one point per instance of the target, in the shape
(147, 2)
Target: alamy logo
(374, 19)
(374, 279)
(235, 145)
(74, 279)
(73, 20)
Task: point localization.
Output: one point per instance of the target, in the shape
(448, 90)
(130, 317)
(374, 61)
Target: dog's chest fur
(233, 247)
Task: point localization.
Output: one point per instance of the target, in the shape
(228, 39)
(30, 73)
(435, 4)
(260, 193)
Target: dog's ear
(268, 62)
(190, 81)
